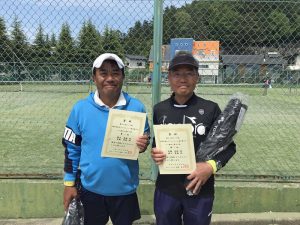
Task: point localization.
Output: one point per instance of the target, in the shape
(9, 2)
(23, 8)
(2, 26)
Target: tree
(52, 40)
(89, 43)
(296, 30)
(224, 24)
(182, 22)
(278, 27)
(51, 45)
(132, 37)
(19, 51)
(41, 53)
(112, 42)
(41, 47)
(65, 46)
(4, 43)
(19, 44)
(169, 25)
(40, 37)
(139, 38)
(65, 52)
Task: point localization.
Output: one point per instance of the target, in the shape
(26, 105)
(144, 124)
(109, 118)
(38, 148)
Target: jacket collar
(121, 101)
(186, 104)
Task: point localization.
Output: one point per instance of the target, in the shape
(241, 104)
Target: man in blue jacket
(108, 184)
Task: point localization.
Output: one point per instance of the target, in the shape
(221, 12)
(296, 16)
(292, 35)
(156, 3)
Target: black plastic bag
(75, 213)
(223, 129)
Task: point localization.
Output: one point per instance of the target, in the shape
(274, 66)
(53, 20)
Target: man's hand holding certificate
(177, 143)
(123, 127)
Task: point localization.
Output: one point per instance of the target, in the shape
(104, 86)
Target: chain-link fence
(47, 49)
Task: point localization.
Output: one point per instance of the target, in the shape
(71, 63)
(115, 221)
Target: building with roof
(216, 68)
(293, 69)
(208, 55)
(165, 56)
(135, 61)
(206, 52)
(251, 68)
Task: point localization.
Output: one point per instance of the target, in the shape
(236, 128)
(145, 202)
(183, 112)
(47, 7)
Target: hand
(69, 194)
(158, 156)
(199, 176)
(142, 142)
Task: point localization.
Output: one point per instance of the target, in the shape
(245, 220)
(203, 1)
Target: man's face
(108, 79)
(183, 80)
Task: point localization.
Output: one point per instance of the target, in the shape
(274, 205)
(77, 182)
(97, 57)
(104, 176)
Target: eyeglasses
(187, 75)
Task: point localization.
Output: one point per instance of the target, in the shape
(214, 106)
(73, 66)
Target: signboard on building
(207, 53)
(181, 44)
(206, 50)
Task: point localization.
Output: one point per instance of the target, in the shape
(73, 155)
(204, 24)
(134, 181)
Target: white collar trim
(121, 101)
(180, 106)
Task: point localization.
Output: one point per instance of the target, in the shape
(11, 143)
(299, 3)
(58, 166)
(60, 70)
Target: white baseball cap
(108, 56)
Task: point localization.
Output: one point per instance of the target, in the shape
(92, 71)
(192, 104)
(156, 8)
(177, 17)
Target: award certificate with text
(123, 127)
(177, 142)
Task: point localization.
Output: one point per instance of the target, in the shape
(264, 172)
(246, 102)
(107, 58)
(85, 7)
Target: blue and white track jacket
(83, 139)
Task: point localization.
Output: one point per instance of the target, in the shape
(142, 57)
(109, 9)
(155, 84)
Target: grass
(32, 124)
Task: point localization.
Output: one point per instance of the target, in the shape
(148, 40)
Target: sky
(51, 14)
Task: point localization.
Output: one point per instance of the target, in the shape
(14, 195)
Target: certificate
(177, 142)
(123, 127)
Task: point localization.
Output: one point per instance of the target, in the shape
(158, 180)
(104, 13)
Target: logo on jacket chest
(198, 128)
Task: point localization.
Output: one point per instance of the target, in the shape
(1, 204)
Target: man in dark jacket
(172, 204)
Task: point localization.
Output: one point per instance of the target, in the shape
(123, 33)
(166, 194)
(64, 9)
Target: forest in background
(241, 27)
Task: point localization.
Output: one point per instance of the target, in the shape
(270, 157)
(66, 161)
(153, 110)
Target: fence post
(156, 77)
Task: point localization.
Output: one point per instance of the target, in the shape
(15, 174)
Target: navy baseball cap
(183, 59)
